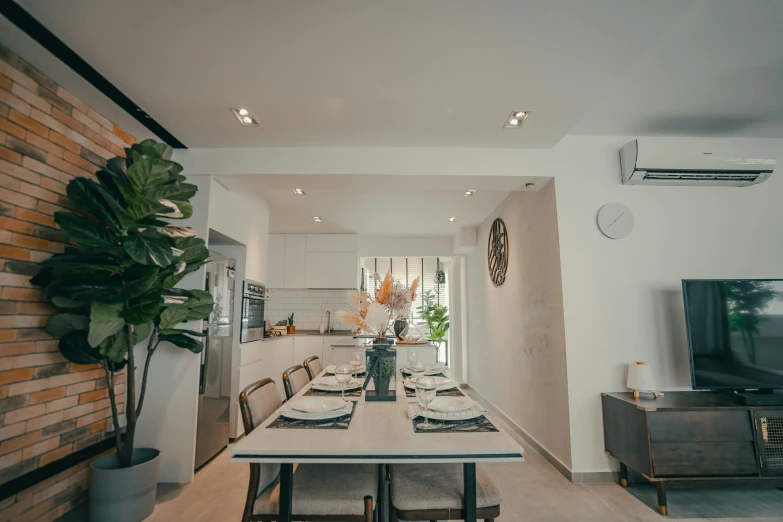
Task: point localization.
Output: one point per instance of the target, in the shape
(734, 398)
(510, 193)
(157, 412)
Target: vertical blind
(405, 270)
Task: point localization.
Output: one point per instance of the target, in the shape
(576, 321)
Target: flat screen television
(735, 333)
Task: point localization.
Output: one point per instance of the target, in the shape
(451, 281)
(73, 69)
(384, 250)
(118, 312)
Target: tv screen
(735, 333)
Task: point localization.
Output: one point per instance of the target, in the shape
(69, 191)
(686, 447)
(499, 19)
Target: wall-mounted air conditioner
(697, 161)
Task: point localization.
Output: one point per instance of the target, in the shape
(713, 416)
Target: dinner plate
(450, 404)
(329, 383)
(316, 404)
(332, 367)
(441, 384)
(298, 415)
(460, 416)
(427, 372)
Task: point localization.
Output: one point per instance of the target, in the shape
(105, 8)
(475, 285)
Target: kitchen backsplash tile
(309, 307)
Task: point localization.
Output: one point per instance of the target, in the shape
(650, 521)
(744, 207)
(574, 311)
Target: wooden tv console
(694, 439)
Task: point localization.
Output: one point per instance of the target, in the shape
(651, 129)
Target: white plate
(407, 370)
(450, 404)
(298, 415)
(329, 383)
(445, 384)
(467, 415)
(316, 404)
(332, 367)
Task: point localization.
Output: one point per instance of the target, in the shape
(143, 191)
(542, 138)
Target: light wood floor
(532, 491)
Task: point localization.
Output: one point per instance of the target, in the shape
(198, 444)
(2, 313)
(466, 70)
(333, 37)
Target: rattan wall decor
(497, 252)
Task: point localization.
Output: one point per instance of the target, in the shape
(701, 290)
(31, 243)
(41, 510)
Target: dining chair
(315, 494)
(294, 379)
(435, 492)
(313, 365)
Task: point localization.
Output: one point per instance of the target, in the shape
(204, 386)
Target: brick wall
(49, 407)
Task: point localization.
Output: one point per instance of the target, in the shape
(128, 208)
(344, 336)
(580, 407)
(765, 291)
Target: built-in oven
(253, 299)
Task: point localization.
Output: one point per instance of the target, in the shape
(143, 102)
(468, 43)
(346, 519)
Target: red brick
(99, 426)
(34, 217)
(31, 98)
(17, 199)
(54, 186)
(73, 378)
(46, 346)
(9, 308)
(93, 396)
(37, 359)
(18, 443)
(10, 252)
(80, 162)
(30, 242)
(40, 448)
(49, 122)
(26, 387)
(21, 294)
(86, 420)
(12, 129)
(73, 100)
(42, 168)
(64, 142)
(18, 280)
(14, 74)
(7, 336)
(69, 122)
(67, 166)
(38, 309)
(24, 413)
(10, 155)
(15, 376)
(16, 348)
(59, 453)
(29, 123)
(44, 421)
(14, 430)
(47, 207)
(62, 404)
(20, 172)
(47, 395)
(100, 119)
(82, 387)
(14, 225)
(124, 136)
(15, 102)
(3, 392)
(5, 82)
(48, 146)
(96, 138)
(85, 409)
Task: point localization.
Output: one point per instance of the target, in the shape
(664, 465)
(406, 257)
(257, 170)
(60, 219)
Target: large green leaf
(193, 249)
(200, 305)
(88, 196)
(185, 210)
(144, 308)
(138, 279)
(64, 302)
(105, 321)
(62, 324)
(145, 174)
(174, 231)
(153, 149)
(172, 316)
(176, 191)
(75, 348)
(148, 250)
(112, 183)
(115, 347)
(183, 341)
(99, 286)
(141, 331)
(84, 231)
(140, 207)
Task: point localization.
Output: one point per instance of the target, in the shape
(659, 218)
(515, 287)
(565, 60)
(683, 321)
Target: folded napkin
(416, 410)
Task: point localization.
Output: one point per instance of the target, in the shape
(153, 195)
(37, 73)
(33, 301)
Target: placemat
(454, 392)
(340, 423)
(478, 425)
(321, 393)
(435, 375)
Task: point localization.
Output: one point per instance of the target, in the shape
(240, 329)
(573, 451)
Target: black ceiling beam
(33, 28)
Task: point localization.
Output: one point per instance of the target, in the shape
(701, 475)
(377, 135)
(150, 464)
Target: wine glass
(356, 362)
(412, 356)
(425, 392)
(342, 374)
(417, 370)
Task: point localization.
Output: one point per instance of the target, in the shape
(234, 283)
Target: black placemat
(404, 372)
(454, 392)
(340, 423)
(478, 425)
(321, 393)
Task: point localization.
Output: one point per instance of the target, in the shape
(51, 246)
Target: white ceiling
(378, 205)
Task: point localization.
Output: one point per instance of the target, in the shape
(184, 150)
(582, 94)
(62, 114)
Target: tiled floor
(533, 491)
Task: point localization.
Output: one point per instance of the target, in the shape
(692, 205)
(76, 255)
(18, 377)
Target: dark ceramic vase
(399, 326)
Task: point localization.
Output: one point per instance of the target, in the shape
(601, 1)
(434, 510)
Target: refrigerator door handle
(202, 382)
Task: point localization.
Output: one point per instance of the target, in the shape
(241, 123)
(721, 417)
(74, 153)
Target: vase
(382, 368)
(399, 327)
(124, 494)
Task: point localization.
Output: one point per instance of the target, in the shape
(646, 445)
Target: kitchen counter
(303, 333)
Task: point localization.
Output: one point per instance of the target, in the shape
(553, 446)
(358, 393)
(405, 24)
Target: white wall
(623, 298)
(405, 246)
(516, 342)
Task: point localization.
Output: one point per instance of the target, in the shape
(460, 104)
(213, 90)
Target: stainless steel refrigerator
(214, 400)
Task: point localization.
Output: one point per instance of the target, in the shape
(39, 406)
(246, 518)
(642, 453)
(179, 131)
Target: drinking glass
(342, 374)
(412, 356)
(417, 370)
(425, 393)
(356, 362)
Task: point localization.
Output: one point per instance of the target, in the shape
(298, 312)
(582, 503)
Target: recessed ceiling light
(245, 117)
(299, 192)
(516, 119)
(470, 192)
(452, 219)
(317, 219)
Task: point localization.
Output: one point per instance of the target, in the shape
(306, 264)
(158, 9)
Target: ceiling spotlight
(299, 192)
(452, 219)
(470, 192)
(317, 219)
(516, 119)
(245, 117)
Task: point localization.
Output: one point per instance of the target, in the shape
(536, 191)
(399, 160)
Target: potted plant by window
(115, 288)
(436, 317)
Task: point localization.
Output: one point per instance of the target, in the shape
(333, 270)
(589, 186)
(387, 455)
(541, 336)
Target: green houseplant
(115, 286)
(435, 316)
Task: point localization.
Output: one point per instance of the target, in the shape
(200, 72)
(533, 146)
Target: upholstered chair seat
(294, 379)
(314, 366)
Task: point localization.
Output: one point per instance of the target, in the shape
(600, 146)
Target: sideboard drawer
(694, 426)
(704, 458)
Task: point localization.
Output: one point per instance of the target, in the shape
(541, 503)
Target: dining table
(378, 433)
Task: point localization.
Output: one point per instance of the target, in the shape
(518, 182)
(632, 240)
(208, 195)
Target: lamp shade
(640, 377)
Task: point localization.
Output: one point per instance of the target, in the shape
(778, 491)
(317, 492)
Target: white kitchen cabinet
(332, 242)
(295, 245)
(331, 269)
(275, 273)
(339, 349)
(428, 354)
(306, 346)
(278, 357)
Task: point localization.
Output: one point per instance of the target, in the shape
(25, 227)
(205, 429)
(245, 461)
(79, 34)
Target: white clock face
(615, 220)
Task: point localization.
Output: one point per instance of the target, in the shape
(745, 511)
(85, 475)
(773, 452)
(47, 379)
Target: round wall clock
(615, 220)
(497, 252)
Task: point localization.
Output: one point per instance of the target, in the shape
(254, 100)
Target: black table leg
(469, 493)
(286, 492)
(662, 507)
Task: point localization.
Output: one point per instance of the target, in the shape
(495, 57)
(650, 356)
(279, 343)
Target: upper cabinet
(313, 261)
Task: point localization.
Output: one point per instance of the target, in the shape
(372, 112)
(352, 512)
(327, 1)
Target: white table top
(380, 432)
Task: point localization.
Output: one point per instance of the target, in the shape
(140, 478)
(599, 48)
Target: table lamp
(640, 379)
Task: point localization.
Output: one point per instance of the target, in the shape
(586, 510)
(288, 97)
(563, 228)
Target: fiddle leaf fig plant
(115, 283)
(435, 316)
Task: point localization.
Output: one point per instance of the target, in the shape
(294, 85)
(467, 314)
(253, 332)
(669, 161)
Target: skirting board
(575, 477)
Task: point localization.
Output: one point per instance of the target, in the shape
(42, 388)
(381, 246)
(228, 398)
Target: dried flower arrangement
(376, 314)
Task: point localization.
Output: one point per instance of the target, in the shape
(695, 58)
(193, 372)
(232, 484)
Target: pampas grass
(377, 313)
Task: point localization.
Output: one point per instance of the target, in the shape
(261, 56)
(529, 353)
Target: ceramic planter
(124, 494)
